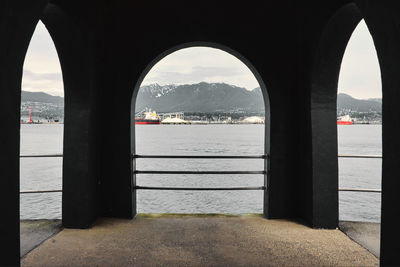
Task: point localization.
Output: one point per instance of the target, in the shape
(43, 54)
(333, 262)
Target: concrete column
(383, 18)
(280, 198)
(76, 47)
(10, 101)
(118, 195)
(324, 148)
(17, 22)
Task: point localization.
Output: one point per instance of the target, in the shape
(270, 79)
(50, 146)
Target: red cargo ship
(148, 117)
(345, 120)
(344, 123)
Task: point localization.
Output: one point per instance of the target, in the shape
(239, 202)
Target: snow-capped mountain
(200, 97)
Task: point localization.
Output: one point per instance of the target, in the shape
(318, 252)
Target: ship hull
(142, 121)
(344, 122)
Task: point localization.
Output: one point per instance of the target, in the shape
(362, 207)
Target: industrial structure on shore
(152, 117)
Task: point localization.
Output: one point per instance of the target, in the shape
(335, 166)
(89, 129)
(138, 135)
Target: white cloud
(360, 74)
(359, 77)
(42, 70)
(197, 64)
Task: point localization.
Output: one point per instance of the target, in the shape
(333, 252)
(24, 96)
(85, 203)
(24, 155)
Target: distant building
(254, 120)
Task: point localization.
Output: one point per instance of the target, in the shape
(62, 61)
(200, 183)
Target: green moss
(200, 215)
(40, 222)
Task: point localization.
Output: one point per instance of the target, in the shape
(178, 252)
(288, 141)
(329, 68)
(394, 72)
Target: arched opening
(325, 74)
(42, 115)
(327, 61)
(193, 79)
(359, 105)
(357, 149)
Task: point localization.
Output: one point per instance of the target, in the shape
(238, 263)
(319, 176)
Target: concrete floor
(35, 232)
(366, 234)
(204, 240)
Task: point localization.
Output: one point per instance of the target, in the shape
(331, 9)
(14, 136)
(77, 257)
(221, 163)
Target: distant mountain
(200, 97)
(376, 100)
(40, 97)
(42, 105)
(345, 101)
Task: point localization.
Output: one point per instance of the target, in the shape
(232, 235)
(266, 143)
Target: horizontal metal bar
(42, 156)
(199, 172)
(197, 157)
(360, 156)
(41, 191)
(200, 188)
(360, 190)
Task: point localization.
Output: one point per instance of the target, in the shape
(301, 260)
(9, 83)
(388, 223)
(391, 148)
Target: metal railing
(263, 172)
(364, 190)
(42, 156)
(41, 191)
(359, 156)
(197, 157)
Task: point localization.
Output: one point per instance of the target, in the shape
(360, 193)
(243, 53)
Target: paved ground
(366, 234)
(199, 241)
(35, 232)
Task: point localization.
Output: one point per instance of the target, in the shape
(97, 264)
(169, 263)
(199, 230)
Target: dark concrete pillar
(281, 195)
(117, 192)
(324, 81)
(17, 23)
(76, 47)
(118, 195)
(267, 152)
(383, 18)
(280, 198)
(133, 149)
(10, 100)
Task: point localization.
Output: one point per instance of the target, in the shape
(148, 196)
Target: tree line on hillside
(199, 99)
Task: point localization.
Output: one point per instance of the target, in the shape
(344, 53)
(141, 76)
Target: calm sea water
(46, 173)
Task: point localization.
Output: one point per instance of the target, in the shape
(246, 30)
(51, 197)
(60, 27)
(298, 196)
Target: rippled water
(41, 173)
(201, 140)
(361, 173)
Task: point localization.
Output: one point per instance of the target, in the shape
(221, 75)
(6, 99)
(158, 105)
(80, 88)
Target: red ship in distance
(147, 117)
(345, 120)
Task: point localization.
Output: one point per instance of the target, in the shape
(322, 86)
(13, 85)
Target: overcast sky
(196, 64)
(360, 74)
(42, 71)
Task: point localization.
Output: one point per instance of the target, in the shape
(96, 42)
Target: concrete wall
(17, 23)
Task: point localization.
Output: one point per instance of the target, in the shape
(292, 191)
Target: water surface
(41, 174)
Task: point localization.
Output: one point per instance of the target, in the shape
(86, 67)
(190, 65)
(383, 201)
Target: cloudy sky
(193, 65)
(360, 74)
(42, 71)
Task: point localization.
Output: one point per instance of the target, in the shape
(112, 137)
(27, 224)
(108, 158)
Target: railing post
(266, 184)
(133, 184)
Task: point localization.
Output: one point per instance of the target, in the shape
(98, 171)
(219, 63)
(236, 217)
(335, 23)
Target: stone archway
(231, 52)
(77, 64)
(381, 20)
(324, 81)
